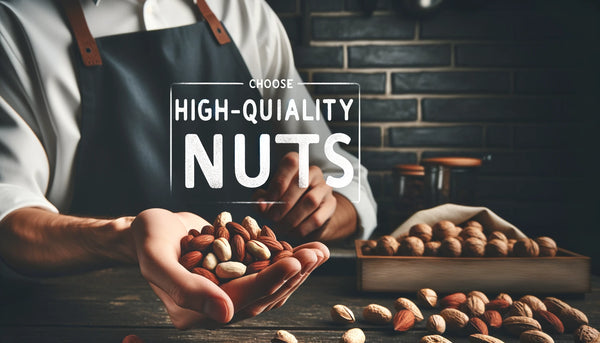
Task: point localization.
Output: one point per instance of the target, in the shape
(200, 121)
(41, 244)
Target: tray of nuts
(227, 250)
(450, 257)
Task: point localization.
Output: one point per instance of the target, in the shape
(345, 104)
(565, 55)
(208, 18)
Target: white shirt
(40, 104)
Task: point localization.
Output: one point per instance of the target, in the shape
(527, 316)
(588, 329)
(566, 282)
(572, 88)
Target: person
(82, 91)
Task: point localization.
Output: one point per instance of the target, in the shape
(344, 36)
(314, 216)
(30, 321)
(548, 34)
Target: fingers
(248, 289)
(311, 221)
(286, 172)
(298, 202)
(157, 233)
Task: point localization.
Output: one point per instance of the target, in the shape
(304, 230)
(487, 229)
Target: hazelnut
(498, 235)
(496, 248)
(444, 229)
(422, 231)
(387, 246)
(526, 247)
(411, 246)
(450, 247)
(473, 247)
(432, 248)
(473, 232)
(547, 246)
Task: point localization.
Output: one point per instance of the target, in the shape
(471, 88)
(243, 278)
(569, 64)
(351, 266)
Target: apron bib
(123, 159)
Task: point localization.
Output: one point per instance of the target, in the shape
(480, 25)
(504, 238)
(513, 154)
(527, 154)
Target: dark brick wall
(513, 79)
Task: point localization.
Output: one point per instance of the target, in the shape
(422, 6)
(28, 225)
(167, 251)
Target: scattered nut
(473, 306)
(555, 305)
(354, 335)
(283, 336)
(535, 336)
(572, 318)
(515, 325)
(436, 324)
(519, 308)
(434, 339)
(406, 304)
(499, 305)
(492, 318)
(481, 338)
(549, 321)
(377, 314)
(476, 325)
(453, 300)
(428, 297)
(403, 320)
(455, 319)
(505, 297)
(586, 334)
(534, 302)
(342, 314)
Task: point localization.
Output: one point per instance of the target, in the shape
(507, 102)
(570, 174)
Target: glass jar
(408, 189)
(451, 180)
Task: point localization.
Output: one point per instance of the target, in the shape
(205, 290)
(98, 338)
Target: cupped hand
(192, 300)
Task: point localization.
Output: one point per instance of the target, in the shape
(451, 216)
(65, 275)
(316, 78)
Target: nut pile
(473, 314)
(446, 239)
(227, 250)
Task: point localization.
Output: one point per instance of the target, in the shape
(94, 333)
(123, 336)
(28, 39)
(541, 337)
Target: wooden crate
(567, 272)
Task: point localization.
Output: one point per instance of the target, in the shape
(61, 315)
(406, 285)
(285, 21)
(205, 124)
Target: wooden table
(107, 305)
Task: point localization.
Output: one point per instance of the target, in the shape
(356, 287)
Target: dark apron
(123, 161)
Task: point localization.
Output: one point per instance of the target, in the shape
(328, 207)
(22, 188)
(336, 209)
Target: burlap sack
(459, 214)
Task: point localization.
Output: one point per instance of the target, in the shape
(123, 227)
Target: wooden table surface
(107, 305)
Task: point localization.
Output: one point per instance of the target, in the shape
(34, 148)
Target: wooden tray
(567, 272)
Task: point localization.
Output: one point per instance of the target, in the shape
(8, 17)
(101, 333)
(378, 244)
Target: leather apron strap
(87, 44)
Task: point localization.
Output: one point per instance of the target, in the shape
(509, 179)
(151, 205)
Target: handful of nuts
(446, 239)
(227, 250)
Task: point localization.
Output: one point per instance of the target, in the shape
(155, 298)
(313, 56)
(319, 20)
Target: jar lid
(409, 169)
(453, 161)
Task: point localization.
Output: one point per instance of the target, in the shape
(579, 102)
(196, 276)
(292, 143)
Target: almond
(271, 243)
(207, 274)
(342, 314)
(251, 226)
(238, 248)
(237, 229)
(474, 306)
(476, 325)
(257, 266)
(207, 230)
(515, 325)
(434, 339)
(427, 297)
(185, 243)
(377, 314)
(266, 231)
(403, 320)
(286, 246)
(492, 318)
(281, 255)
(534, 303)
(505, 297)
(455, 319)
(499, 305)
(535, 336)
(586, 334)
(202, 242)
(549, 322)
(222, 232)
(406, 304)
(453, 300)
(190, 259)
(481, 338)
(436, 324)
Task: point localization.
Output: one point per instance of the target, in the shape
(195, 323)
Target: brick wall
(516, 80)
